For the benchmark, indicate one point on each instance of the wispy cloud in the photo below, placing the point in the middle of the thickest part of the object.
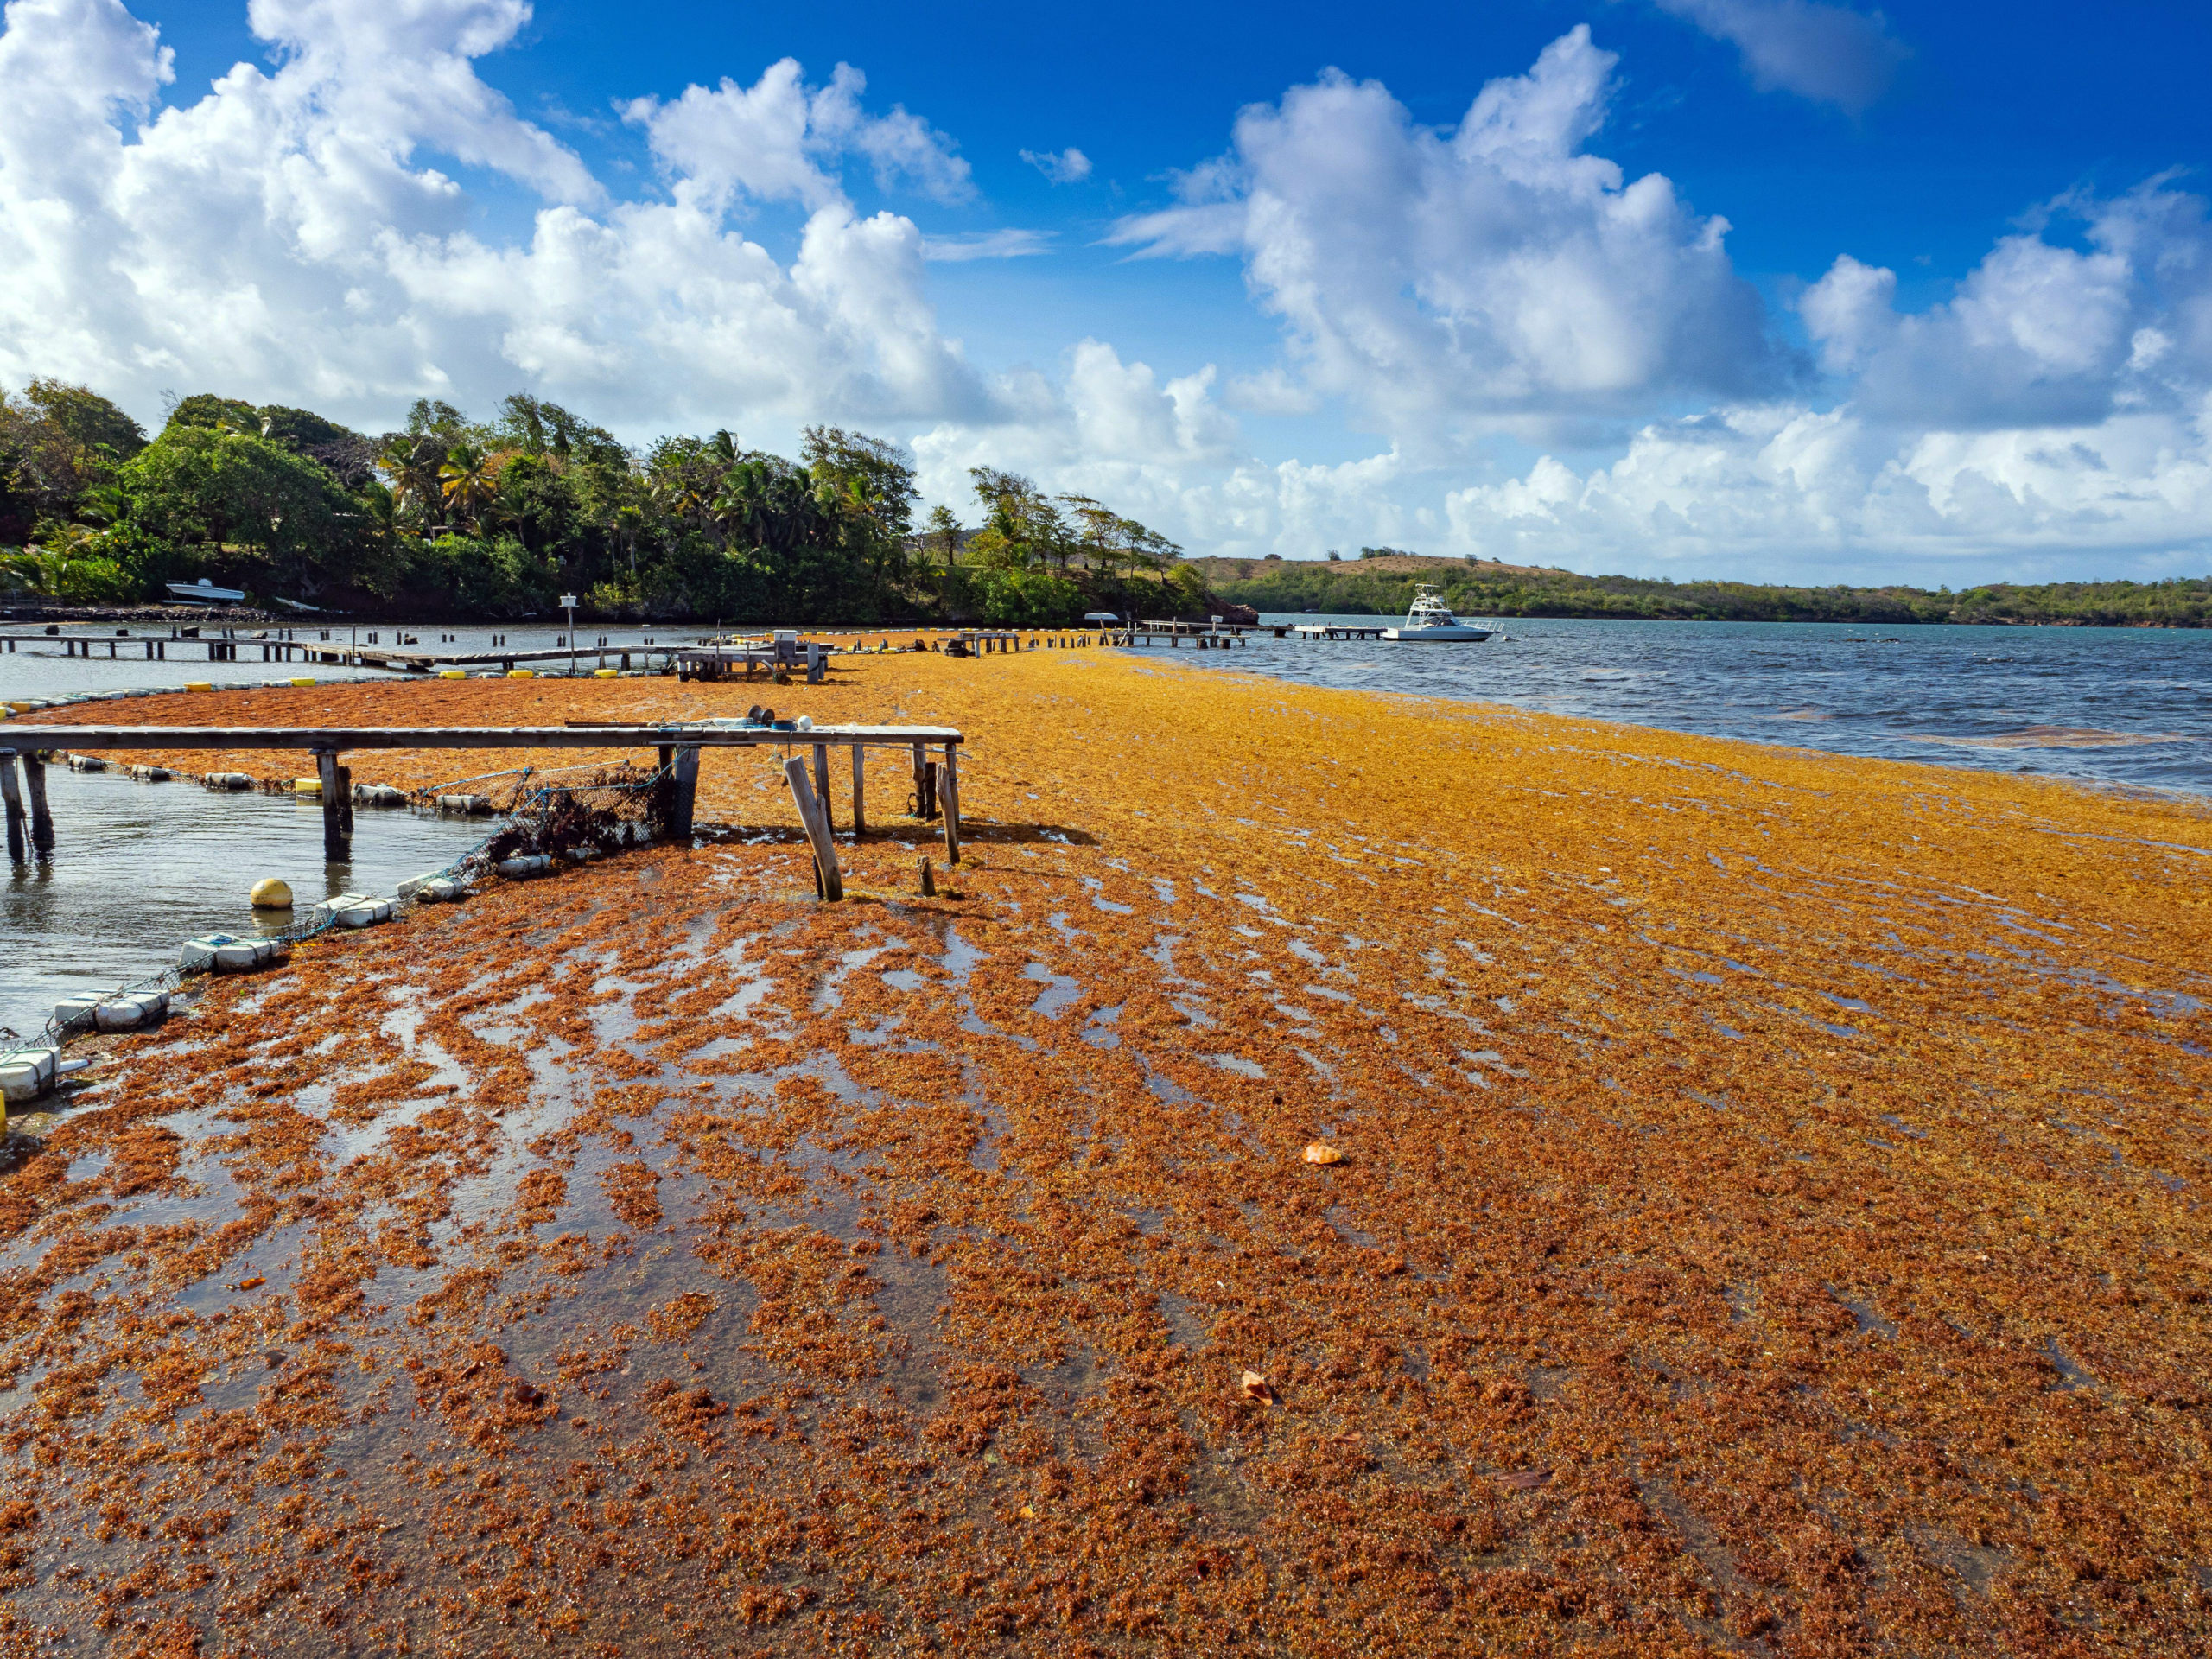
(1829, 53)
(1068, 166)
(985, 244)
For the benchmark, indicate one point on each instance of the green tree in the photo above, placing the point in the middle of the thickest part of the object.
(223, 490)
(59, 443)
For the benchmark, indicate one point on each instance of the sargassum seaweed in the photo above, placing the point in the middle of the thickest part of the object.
(1768, 1217)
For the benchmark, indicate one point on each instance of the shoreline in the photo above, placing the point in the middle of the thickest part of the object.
(1769, 1208)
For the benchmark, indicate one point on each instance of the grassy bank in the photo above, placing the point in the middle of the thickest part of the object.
(1384, 587)
(1768, 1218)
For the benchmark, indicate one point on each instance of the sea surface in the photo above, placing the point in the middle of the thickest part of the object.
(2112, 706)
(138, 868)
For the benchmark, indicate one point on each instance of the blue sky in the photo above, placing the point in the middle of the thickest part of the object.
(1957, 325)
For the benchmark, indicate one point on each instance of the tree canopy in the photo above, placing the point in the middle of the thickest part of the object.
(456, 516)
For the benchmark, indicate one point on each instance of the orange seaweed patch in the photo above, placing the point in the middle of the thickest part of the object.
(1773, 1222)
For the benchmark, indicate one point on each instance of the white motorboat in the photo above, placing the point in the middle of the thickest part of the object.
(204, 592)
(1431, 622)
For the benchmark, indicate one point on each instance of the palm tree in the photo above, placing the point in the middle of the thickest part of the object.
(467, 481)
(412, 465)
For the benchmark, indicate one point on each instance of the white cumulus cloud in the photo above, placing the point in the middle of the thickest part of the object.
(295, 234)
(1497, 270)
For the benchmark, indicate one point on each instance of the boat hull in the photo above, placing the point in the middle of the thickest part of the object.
(1437, 636)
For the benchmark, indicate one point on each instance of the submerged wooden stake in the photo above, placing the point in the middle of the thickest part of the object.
(929, 880)
(14, 800)
(41, 820)
(336, 845)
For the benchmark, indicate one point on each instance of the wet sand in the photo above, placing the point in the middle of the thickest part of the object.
(1770, 1218)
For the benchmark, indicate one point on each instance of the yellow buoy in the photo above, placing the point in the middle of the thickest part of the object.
(522, 674)
(605, 673)
(269, 893)
(452, 673)
(199, 685)
(307, 785)
(303, 679)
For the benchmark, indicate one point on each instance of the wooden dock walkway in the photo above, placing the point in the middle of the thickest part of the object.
(937, 783)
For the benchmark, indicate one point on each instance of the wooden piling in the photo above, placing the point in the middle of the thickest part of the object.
(686, 793)
(921, 782)
(816, 824)
(41, 820)
(336, 845)
(860, 788)
(947, 782)
(13, 798)
(821, 781)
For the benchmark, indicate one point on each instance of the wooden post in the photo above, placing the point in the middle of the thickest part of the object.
(860, 787)
(41, 820)
(335, 840)
(948, 781)
(14, 800)
(816, 823)
(921, 782)
(686, 793)
(821, 781)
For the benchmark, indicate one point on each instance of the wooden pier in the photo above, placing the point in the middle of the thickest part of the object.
(283, 647)
(1338, 630)
(936, 781)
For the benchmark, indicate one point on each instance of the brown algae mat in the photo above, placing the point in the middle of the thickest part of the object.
(1769, 1217)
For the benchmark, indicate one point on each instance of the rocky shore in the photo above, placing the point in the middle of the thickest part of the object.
(1768, 1216)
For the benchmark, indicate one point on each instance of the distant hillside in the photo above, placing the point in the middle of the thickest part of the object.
(1384, 587)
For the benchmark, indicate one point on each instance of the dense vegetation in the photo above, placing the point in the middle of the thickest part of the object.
(1488, 589)
(457, 518)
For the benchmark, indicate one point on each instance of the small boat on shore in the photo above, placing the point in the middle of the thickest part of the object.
(1431, 622)
(204, 592)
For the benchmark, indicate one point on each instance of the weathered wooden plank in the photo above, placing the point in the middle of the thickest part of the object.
(816, 823)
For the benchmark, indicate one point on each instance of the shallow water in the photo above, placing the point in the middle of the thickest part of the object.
(138, 868)
(2107, 705)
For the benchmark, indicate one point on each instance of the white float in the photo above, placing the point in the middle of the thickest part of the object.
(358, 909)
(223, 953)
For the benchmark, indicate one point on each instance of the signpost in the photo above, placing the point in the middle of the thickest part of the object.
(568, 604)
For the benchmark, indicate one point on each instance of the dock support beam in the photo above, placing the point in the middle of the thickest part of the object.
(822, 782)
(860, 787)
(13, 798)
(686, 770)
(815, 817)
(41, 820)
(948, 784)
(337, 806)
(924, 779)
